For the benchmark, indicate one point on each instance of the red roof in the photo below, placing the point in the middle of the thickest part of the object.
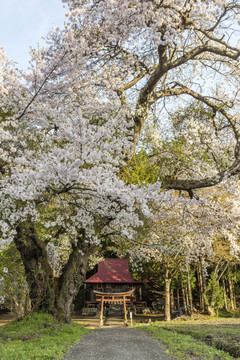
(112, 271)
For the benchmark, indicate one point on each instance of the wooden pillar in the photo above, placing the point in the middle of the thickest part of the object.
(101, 312)
(125, 309)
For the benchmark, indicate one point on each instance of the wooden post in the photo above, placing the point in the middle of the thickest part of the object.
(101, 313)
(131, 318)
(125, 309)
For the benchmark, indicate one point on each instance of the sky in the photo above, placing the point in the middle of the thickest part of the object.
(24, 22)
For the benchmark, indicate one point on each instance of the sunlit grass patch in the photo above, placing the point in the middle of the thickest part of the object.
(38, 336)
(183, 346)
(222, 337)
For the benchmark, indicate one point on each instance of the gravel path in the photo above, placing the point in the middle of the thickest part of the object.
(116, 344)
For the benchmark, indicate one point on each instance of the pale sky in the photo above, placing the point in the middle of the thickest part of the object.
(24, 22)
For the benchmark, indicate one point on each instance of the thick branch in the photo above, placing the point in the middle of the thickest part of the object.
(164, 66)
(161, 70)
(186, 184)
(216, 108)
(234, 169)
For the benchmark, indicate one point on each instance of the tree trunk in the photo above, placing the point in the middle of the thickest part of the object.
(225, 294)
(187, 297)
(189, 291)
(172, 301)
(201, 289)
(39, 273)
(167, 292)
(47, 293)
(72, 277)
(235, 302)
(210, 295)
(18, 307)
(231, 291)
(211, 311)
(183, 294)
(178, 299)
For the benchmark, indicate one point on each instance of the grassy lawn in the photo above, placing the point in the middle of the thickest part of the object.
(38, 336)
(210, 339)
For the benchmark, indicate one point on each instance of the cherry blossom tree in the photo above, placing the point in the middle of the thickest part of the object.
(183, 232)
(151, 53)
(72, 122)
(62, 180)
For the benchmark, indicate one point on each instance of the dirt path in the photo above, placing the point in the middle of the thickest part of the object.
(117, 344)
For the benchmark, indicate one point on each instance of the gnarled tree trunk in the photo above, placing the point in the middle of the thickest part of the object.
(72, 277)
(39, 273)
(48, 293)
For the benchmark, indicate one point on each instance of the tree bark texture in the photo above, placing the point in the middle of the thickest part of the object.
(201, 289)
(225, 294)
(178, 299)
(231, 291)
(189, 291)
(183, 294)
(167, 294)
(172, 301)
(72, 277)
(48, 293)
(39, 273)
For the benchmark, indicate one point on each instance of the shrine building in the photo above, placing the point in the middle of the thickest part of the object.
(113, 276)
(113, 284)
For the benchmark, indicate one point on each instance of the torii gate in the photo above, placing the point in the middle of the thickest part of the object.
(121, 297)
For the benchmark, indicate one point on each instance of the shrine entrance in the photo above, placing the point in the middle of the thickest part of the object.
(122, 297)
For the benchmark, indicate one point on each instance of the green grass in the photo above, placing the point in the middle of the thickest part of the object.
(38, 336)
(223, 337)
(229, 314)
(189, 342)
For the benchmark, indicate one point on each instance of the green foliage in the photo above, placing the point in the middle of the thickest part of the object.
(13, 286)
(176, 280)
(235, 276)
(48, 303)
(38, 336)
(214, 294)
(141, 170)
(195, 110)
(223, 313)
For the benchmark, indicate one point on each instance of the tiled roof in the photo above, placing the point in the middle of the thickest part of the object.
(112, 271)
